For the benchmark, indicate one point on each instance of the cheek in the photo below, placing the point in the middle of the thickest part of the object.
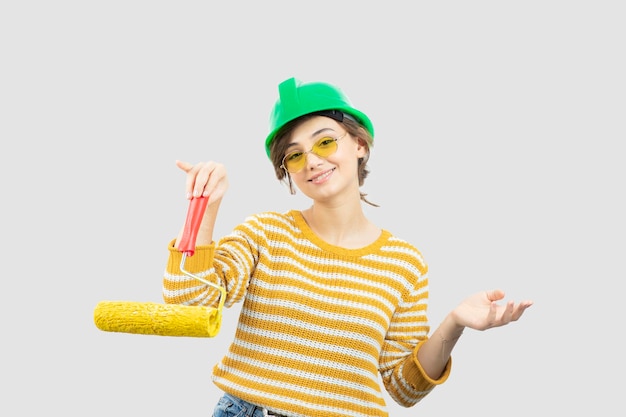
(349, 155)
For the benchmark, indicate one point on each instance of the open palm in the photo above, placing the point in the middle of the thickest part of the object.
(481, 311)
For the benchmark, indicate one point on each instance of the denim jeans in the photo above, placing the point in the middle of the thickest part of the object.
(231, 406)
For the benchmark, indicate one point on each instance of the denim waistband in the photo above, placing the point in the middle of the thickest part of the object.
(250, 410)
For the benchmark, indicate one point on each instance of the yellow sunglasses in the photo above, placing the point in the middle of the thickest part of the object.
(294, 161)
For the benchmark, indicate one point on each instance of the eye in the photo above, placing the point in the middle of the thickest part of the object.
(325, 142)
(293, 156)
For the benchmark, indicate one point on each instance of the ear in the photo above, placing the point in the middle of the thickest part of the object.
(362, 148)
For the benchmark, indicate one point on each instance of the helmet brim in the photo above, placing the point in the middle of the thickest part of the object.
(358, 115)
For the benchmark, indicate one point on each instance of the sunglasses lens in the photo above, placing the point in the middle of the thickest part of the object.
(323, 148)
(295, 161)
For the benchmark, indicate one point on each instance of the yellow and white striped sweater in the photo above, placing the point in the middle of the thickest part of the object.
(319, 323)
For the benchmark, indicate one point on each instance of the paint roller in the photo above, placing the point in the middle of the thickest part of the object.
(150, 318)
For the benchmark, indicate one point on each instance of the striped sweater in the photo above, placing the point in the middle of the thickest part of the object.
(319, 323)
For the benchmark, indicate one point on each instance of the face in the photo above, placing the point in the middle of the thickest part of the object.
(323, 159)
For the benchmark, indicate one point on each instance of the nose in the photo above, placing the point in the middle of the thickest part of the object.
(315, 161)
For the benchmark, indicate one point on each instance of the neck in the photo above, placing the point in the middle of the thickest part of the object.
(344, 226)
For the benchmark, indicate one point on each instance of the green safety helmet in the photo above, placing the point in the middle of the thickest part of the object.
(297, 99)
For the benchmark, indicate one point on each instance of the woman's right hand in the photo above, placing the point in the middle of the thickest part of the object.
(207, 179)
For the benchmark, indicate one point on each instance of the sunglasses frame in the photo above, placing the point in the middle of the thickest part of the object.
(305, 153)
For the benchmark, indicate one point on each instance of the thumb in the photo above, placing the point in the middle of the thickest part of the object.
(495, 295)
(185, 166)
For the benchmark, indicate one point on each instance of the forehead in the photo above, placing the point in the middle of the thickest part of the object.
(313, 128)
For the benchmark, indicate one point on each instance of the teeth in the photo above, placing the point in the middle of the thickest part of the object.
(321, 177)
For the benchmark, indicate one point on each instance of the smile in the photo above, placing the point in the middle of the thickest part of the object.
(322, 176)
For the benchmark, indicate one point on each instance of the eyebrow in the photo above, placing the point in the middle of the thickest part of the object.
(314, 134)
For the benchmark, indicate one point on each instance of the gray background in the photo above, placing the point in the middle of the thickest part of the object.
(499, 154)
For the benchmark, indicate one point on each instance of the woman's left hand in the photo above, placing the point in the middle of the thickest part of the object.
(481, 311)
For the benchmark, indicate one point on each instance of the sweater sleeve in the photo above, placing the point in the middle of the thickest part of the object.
(180, 288)
(403, 377)
(228, 263)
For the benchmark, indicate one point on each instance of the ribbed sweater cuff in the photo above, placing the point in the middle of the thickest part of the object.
(200, 261)
(417, 377)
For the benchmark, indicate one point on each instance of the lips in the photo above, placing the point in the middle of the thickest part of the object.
(322, 176)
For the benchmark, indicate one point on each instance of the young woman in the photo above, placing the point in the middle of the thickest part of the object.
(330, 300)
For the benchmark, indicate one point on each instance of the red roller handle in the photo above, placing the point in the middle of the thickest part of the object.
(187, 243)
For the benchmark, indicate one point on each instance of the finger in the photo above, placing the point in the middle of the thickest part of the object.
(185, 166)
(495, 295)
(520, 309)
(216, 182)
(507, 315)
(492, 315)
(210, 179)
(199, 177)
